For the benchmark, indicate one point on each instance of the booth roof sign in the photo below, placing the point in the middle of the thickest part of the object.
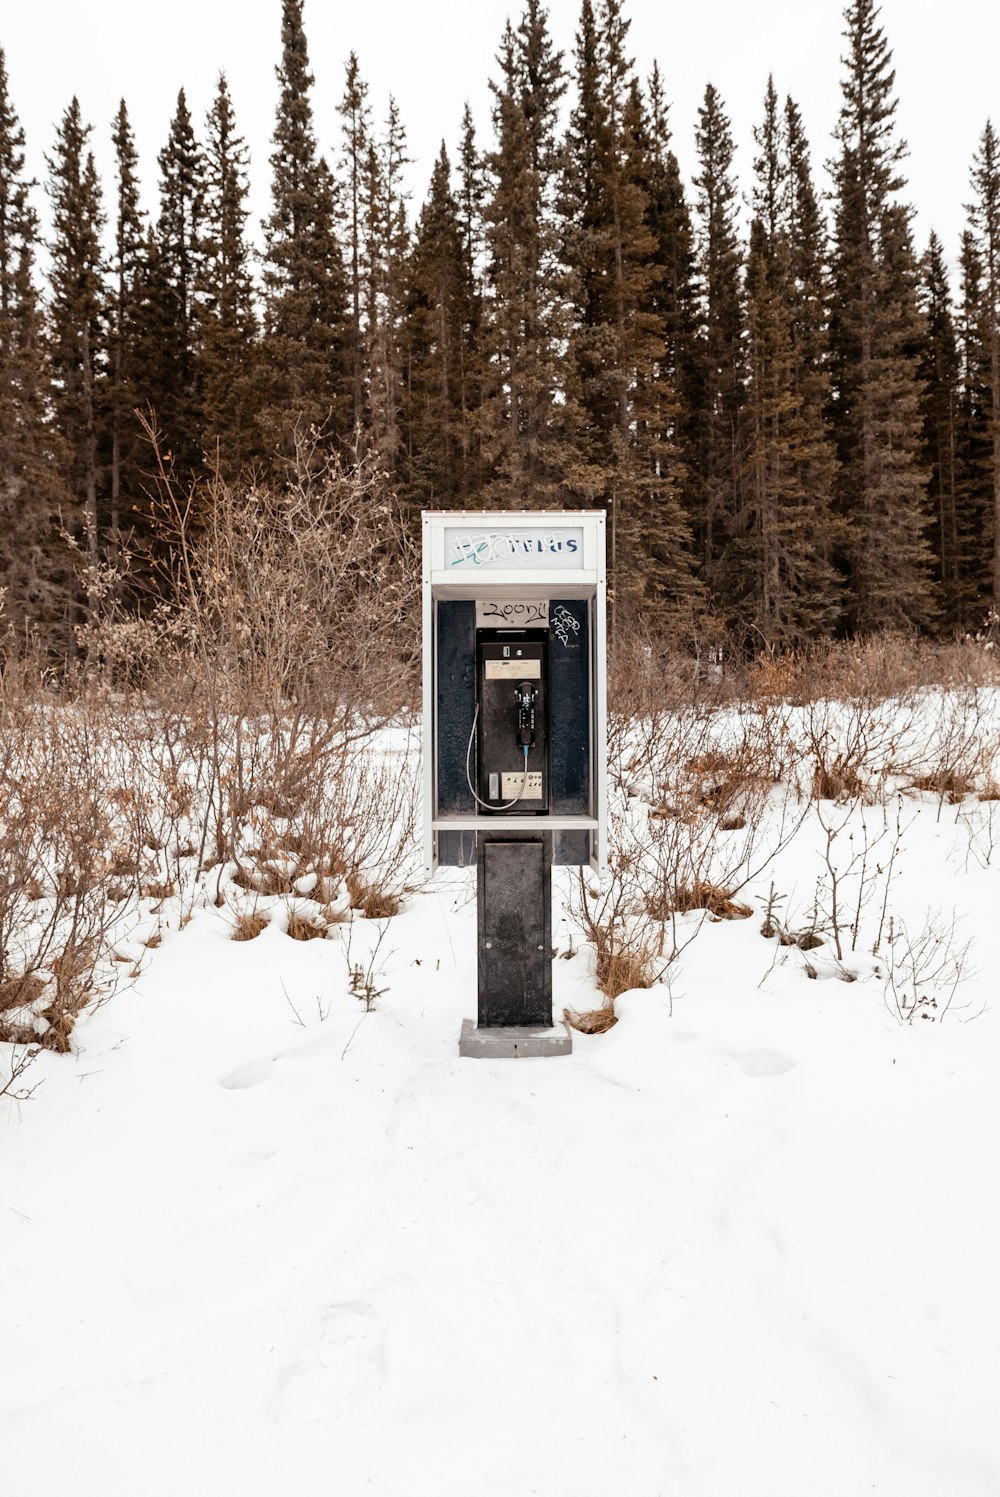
(508, 548)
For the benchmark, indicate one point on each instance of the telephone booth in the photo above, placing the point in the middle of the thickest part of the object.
(514, 729)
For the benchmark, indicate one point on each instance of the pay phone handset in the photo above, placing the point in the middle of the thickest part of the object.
(511, 707)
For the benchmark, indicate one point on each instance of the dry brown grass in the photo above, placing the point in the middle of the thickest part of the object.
(618, 968)
(837, 781)
(593, 1021)
(373, 902)
(950, 785)
(158, 889)
(17, 992)
(305, 926)
(699, 895)
(248, 924)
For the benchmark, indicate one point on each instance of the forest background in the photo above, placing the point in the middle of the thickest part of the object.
(795, 430)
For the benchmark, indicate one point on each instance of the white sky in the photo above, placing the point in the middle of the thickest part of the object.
(433, 56)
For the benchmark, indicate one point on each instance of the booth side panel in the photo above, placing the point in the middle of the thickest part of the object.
(570, 743)
(456, 705)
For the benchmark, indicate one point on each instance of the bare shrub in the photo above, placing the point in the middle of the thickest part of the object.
(957, 744)
(850, 748)
(873, 668)
(15, 1061)
(924, 970)
(614, 918)
(55, 831)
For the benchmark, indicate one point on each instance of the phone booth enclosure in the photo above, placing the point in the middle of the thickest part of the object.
(566, 725)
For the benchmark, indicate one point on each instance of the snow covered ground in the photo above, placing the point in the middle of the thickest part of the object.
(257, 1238)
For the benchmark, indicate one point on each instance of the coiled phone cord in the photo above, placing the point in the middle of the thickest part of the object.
(505, 805)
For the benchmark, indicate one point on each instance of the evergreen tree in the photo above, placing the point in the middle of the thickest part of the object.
(305, 323)
(779, 576)
(127, 275)
(985, 213)
(939, 371)
(622, 385)
(875, 338)
(356, 131)
(178, 402)
(439, 310)
(225, 292)
(672, 290)
(471, 198)
(974, 447)
(29, 493)
(714, 457)
(525, 303)
(77, 322)
(386, 238)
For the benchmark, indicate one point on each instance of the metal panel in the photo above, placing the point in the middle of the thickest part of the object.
(514, 898)
(599, 677)
(455, 692)
(427, 723)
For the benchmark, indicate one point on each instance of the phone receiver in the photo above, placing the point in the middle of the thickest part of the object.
(526, 694)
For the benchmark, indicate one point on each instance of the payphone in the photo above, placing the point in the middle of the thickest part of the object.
(510, 734)
(514, 739)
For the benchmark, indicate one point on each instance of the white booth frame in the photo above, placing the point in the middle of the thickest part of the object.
(587, 580)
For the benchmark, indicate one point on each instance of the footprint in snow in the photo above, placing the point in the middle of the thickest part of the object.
(340, 1363)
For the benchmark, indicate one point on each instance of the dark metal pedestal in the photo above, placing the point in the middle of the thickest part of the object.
(514, 909)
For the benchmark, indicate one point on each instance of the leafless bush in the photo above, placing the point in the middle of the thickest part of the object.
(924, 970)
(956, 747)
(55, 834)
(850, 748)
(873, 668)
(15, 1061)
(860, 851)
(612, 912)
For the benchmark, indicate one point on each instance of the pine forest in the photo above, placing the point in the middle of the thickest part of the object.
(789, 410)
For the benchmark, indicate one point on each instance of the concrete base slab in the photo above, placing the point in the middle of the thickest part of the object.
(514, 1042)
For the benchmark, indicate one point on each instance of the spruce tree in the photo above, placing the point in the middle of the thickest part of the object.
(526, 324)
(471, 198)
(778, 574)
(623, 388)
(439, 309)
(356, 129)
(985, 214)
(714, 456)
(672, 290)
(386, 238)
(228, 323)
(974, 446)
(939, 371)
(77, 311)
(875, 338)
(30, 572)
(124, 372)
(305, 322)
(179, 230)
